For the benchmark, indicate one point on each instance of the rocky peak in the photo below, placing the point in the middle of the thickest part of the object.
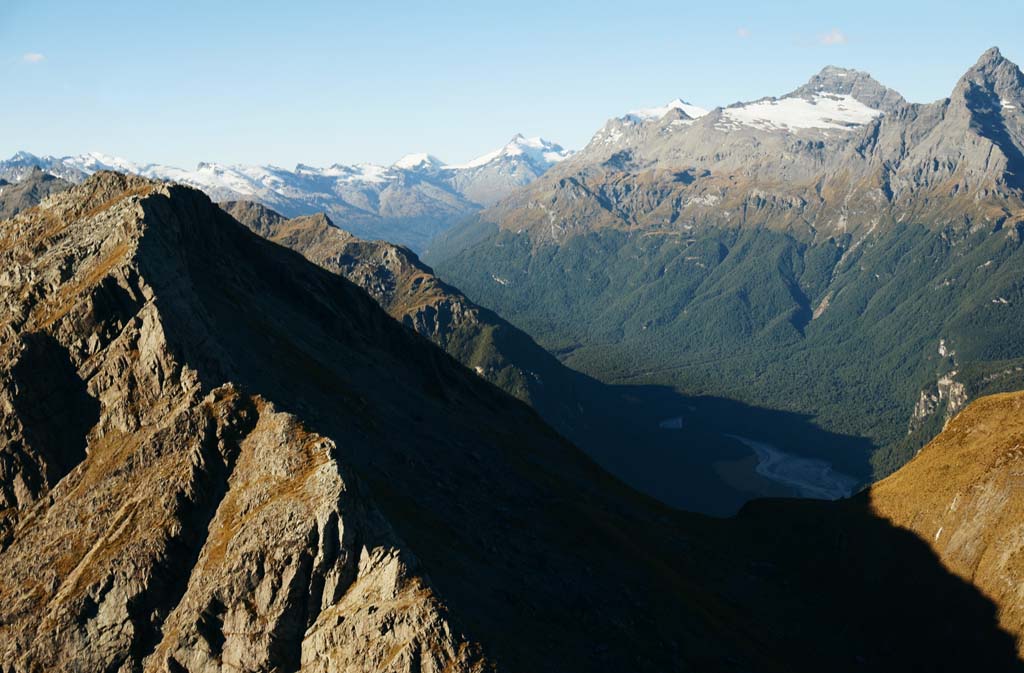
(24, 158)
(855, 83)
(37, 173)
(996, 76)
(987, 102)
(318, 219)
(990, 58)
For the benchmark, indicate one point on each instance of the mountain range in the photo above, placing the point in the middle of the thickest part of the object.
(600, 418)
(218, 454)
(835, 254)
(407, 202)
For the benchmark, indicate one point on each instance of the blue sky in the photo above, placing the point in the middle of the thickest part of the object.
(323, 82)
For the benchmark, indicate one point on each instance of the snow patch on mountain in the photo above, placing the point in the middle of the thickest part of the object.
(820, 111)
(536, 150)
(419, 160)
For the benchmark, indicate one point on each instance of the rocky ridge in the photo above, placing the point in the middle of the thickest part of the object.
(186, 409)
(797, 169)
(218, 455)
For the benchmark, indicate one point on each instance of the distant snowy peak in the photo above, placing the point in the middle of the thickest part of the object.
(655, 113)
(793, 113)
(369, 173)
(541, 153)
(419, 161)
(407, 201)
(93, 162)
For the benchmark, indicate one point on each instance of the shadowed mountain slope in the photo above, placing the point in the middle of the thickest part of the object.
(410, 292)
(256, 468)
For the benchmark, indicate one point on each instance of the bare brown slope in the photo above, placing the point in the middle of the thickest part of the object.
(964, 494)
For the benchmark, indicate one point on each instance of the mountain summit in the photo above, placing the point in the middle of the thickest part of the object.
(997, 83)
(419, 161)
(846, 82)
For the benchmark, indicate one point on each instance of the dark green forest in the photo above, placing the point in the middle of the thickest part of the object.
(844, 333)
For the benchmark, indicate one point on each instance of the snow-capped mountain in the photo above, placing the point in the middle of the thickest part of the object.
(407, 202)
(834, 102)
(492, 176)
(653, 113)
(624, 131)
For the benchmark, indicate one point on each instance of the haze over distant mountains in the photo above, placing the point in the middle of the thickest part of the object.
(407, 202)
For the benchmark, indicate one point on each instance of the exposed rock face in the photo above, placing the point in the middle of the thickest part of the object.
(138, 507)
(175, 517)
(33, 187)
(948, 397)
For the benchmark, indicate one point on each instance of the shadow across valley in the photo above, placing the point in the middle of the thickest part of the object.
(687, 451)
(835, 586)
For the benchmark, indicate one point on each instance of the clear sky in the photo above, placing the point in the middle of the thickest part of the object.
(322, 82)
